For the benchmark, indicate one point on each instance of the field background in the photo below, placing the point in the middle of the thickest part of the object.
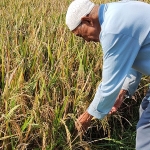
(48, 77)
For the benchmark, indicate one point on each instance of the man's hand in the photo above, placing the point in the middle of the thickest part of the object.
(118, 102)
(83, 122)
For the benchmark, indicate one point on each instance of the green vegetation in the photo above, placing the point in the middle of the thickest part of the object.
(48, 77)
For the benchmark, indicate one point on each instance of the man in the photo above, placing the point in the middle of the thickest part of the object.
(123, 29)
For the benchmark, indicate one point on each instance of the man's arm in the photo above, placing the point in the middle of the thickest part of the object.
(129, 87)
(119, 101)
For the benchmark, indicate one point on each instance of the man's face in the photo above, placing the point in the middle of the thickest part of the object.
(87, 32)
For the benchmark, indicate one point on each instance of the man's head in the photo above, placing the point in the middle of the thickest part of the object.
(82, 19)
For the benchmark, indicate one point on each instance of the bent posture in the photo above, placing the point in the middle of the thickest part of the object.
(123, 29)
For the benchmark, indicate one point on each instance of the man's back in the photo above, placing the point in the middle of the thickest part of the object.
(128, 24)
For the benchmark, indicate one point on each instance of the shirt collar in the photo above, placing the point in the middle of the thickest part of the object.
(102, 10)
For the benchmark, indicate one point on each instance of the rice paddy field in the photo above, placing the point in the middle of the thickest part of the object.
(48, 77)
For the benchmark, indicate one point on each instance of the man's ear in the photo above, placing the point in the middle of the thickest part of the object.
(87, 20)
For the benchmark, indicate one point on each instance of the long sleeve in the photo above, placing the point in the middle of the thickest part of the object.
(118, 57)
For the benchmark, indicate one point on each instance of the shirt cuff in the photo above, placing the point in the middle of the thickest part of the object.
(95, 113)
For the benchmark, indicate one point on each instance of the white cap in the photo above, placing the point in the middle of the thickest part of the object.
(77, 10)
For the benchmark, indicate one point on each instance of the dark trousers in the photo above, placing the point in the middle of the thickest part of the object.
(143, 126)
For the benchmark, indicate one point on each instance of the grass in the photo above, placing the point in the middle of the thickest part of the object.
(48, 77)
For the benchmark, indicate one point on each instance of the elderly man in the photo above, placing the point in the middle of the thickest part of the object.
(123, 29)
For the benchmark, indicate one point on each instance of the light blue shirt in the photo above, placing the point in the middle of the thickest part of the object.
(125, 40)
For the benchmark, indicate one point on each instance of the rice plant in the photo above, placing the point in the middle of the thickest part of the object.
(48, 78)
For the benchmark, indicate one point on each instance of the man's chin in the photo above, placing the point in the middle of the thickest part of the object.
(93, 40)
(96, 40)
